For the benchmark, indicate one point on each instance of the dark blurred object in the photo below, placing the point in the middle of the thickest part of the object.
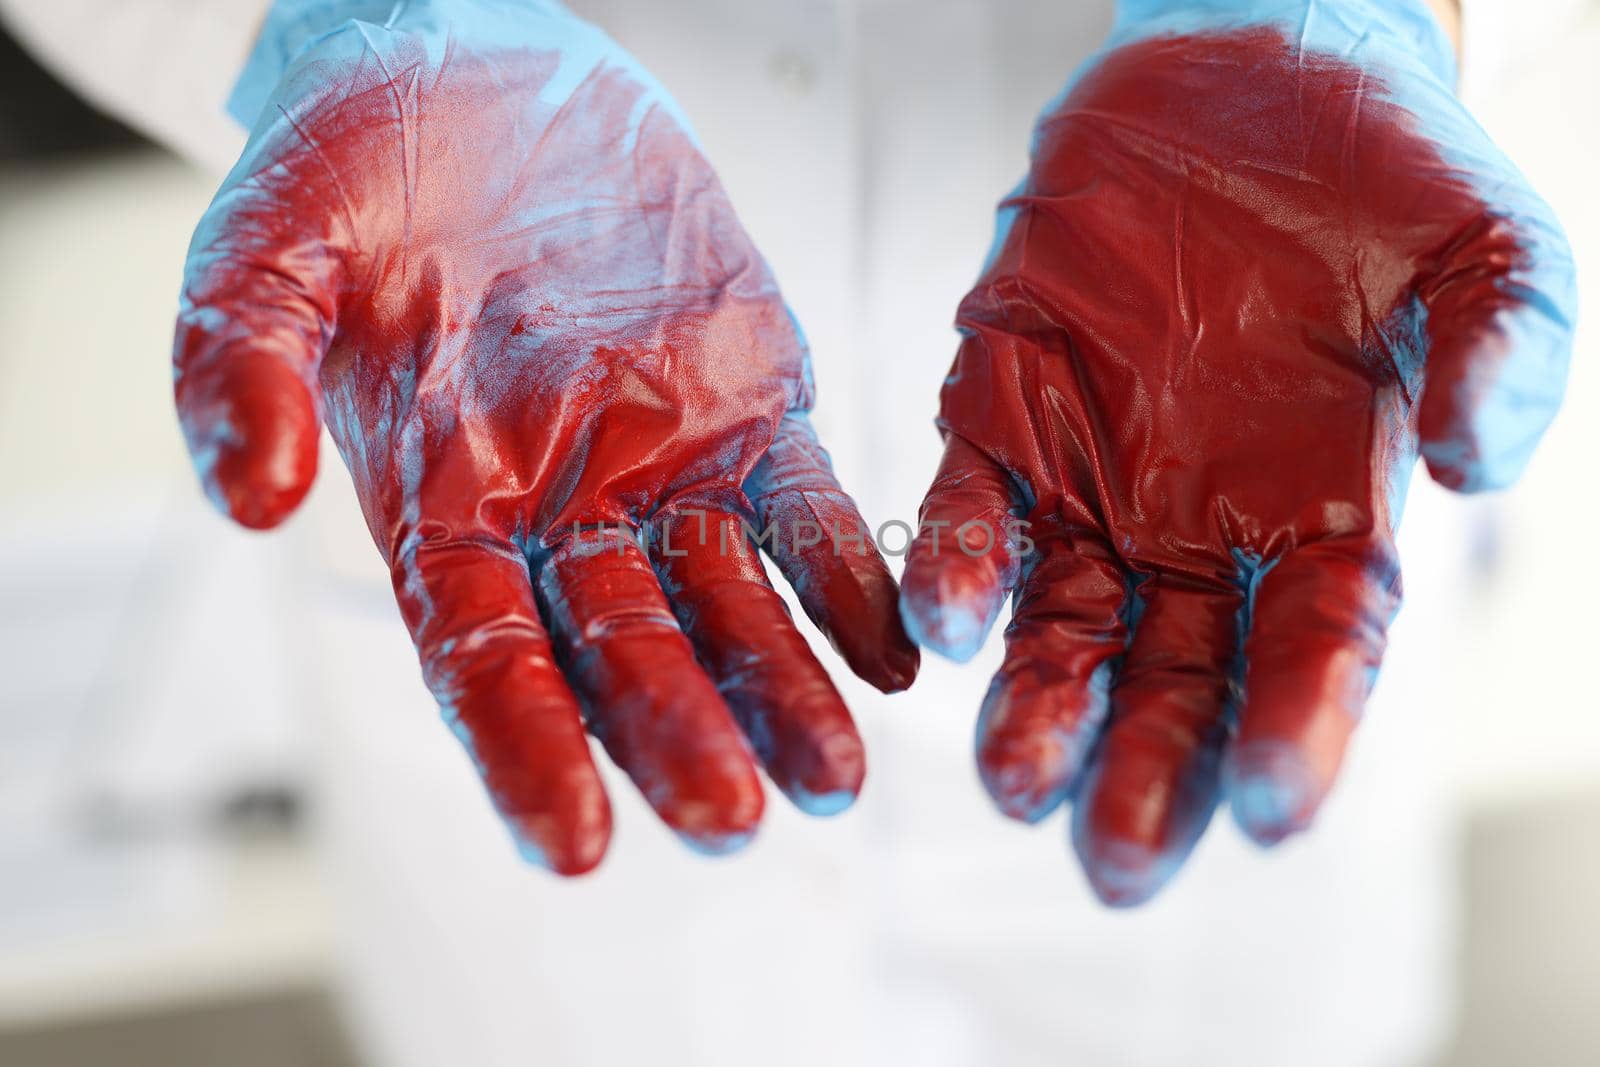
(263, 809)
(294, 1028)
(40, 117)
(1530, 968)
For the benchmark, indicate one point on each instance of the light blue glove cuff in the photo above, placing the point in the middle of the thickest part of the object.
(292, 26)
(1409, 27)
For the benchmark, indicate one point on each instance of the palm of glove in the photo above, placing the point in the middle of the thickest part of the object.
(517, 285)
(1237, 295)
(520, 298)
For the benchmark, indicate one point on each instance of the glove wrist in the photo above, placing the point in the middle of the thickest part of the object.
(1411, 26)
(292, 26)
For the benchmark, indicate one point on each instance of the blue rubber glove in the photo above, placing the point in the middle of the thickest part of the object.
(1263, 261)
(482, 244)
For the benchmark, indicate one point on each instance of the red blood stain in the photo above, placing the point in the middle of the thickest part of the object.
(1202, 342)
(538, 314)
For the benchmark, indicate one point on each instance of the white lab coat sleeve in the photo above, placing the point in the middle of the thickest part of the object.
(165, 67)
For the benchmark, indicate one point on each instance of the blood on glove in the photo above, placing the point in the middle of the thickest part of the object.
(481, 245)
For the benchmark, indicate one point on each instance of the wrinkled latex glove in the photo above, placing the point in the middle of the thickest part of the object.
(481, 244)
(1262, 260)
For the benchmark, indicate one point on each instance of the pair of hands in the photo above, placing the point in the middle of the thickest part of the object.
(1262, 259)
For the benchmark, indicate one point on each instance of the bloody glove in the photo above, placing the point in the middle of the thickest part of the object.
(1263, 260)
(477, 241)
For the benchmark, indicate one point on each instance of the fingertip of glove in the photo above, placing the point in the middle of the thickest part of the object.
(723, 818)
(953, 630)
(1121, 873)
(1027, 781)
(823, 805)
(716, 843)
(862, 620)
(573, 860)
(1469, 478)
(262, 495)
(834, 778)
(566, 846)
(893, 666)
(1270, 792)
(253, 432)
(948, 605)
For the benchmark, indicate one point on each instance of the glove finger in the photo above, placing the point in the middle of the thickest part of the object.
(963, 562)
(743, 634)
(1317, 636)
(254, 322)
(487, 659)
(1051, 697)
(1154, 781)
(1501, 313)
(648, 701)
(825, 550)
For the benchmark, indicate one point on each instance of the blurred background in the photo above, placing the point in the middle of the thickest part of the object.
(202, 860)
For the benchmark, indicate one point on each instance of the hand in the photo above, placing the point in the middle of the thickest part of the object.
(1262, 260)
(481, 244)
